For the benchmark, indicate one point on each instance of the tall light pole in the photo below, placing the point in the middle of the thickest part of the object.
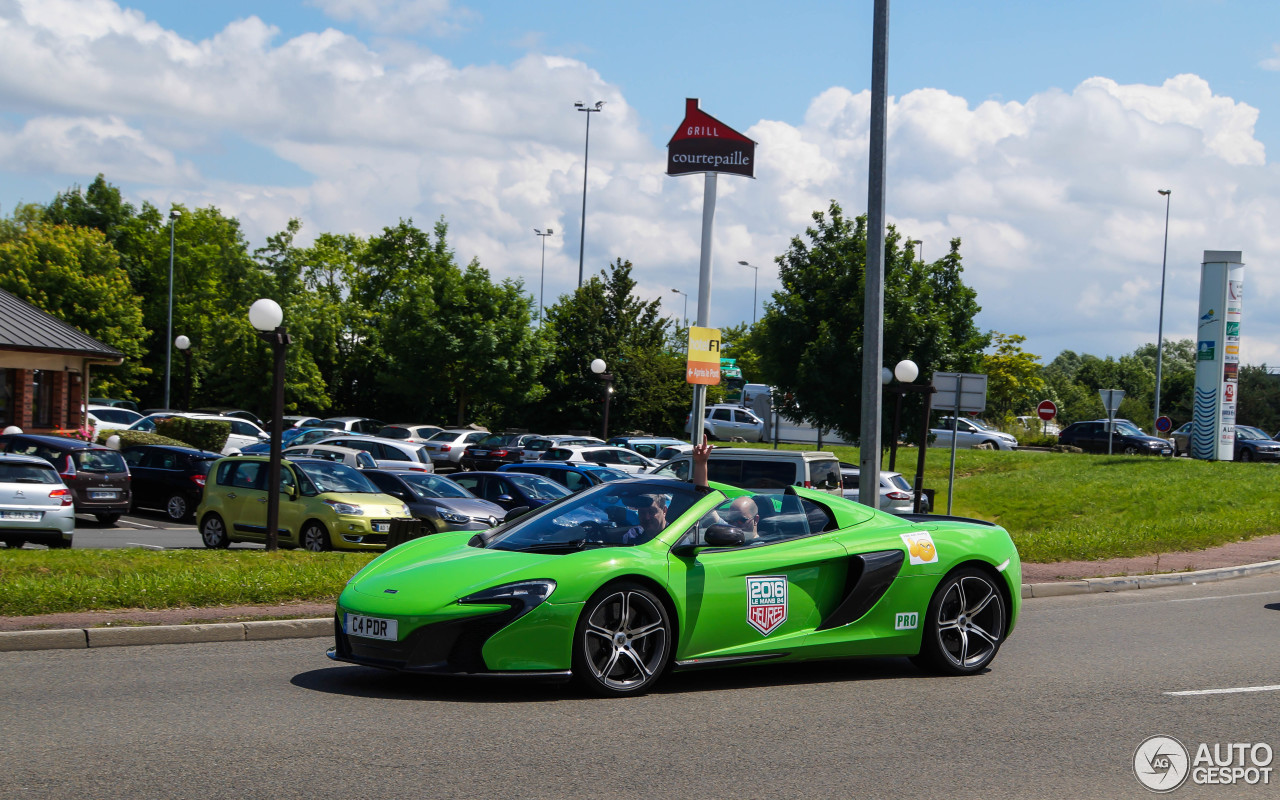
(598, 367)
(267, 317)
(183, 343)
(755, 285)
(586, 152)
(1160, 325)
(686, 306)
(542, 280)
(168, 347)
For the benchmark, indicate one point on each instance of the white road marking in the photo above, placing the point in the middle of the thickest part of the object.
(147, 546)
(1226, 691)
(139, 524)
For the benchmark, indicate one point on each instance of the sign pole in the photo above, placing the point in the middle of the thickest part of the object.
(704, 298)
(955, 434)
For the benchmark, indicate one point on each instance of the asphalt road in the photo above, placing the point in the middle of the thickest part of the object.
(138, 529)
(1082, 682)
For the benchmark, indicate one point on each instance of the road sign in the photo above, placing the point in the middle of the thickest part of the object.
(1047, 410)
(1164, 424)
(1111, 400)
(703, 366)
(960, 391)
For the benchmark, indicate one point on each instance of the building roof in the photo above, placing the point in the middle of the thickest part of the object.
(26, 328)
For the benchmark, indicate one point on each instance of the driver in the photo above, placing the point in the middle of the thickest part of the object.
(653, 518)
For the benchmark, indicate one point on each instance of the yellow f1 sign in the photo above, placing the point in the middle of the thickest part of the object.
(704, 356)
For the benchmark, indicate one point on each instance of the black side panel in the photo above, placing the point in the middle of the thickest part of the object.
(870, 576)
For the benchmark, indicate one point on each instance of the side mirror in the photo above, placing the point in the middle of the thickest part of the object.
(516, 513)
(725, 536)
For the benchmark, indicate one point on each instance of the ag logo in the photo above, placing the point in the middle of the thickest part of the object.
(766, 602)
(920, 548)
(1160, 763)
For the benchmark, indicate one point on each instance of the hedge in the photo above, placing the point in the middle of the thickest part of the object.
(202, 434)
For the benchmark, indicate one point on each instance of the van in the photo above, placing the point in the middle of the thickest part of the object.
(763, 470)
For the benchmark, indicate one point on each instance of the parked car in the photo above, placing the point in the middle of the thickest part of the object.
(107, 401)
(296, 421)
(294, 437)
(109, 418)
(97, 476)
(1181, 439)
(763, 470)
(495, 450)
(535, 448)
(168, 478)
(438, 500)
(357, 424)
(511, 489)
(647, 446)
(725, 421)
(238, 413)
(323, 505)
(446, 447)
(620, 458)
(970, 433)
(360, 459)
(671, 451)
(1091, 436)
(1037, 425)
(574, 477)
(243, 432)
(35, 505)
(409, 432)
(896, 493)
(1254, 445)
(409, 455)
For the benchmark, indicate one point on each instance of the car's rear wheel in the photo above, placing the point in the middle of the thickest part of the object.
(177, 508)
(107, 519)
(623, 643)
(15, 544)
(316, 538)
(213, 532)
(964, 625)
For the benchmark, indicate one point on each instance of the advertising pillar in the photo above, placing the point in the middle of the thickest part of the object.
(1213, 428)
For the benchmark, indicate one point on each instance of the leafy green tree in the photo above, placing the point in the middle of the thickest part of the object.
(811, 333)
(1015, 383)
(1259, 399)
(74, 274)
(742, 342)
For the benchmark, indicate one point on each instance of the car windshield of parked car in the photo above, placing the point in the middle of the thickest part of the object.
(121, 415)
(27, 473)
(99, 461)
(607, 474)
(328, 476)
(431, 486)
(497, 440)
(610, 515)
(1128, 429)
(538, 488)
(1249, 432)
(444, 436)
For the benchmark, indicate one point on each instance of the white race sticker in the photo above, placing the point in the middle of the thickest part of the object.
(906, 621)
(766, 602)
(920, 548)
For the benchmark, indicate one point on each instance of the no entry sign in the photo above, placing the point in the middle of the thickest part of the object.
(1047, 410)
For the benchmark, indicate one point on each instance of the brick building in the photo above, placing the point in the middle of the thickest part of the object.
(44, 368)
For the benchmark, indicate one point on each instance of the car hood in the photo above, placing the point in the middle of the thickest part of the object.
(472, 507)
(375, 504)
(434, 571)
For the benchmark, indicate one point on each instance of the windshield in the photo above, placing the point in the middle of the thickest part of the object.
(424, 486)
(444, 436)
(538, 487)
(99, 461)
(1129, 429)
(1249, 432)
(333, 477)
(610, 515)
(116, 415)
(497, 440)
(609, 474)
(21, 472)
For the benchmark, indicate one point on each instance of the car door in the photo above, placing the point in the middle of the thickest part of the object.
(763, 597)
(248, 509)
(143, 481)
(630, 462)
(721, 423)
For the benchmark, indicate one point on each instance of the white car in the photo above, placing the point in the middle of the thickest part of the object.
(445, 448)
(243, 432)
(896, 493)
(619, 458)
(971, 433)
(403, 455)
(35, 505)
(110, 418)
(360, 459)
(724, 421)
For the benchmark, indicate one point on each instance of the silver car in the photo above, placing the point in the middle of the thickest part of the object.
(896, 494)
(971, 433)
(35, 505)
(726, 422)
(445, 448)
(385, 450)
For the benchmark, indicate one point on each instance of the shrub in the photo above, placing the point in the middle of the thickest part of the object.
(202, 434)
(130, 438)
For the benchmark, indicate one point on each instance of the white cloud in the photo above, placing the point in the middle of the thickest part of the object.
(392, 16)
(1054, 198)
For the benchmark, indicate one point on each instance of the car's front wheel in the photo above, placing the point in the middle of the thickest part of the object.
(1130, 450)
(316, 538)
(1245, 455)
(623, 643)
(177, 509)
(964, 625)
(213, 532)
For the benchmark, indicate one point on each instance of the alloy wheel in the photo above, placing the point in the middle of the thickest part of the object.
(970, 622)
(625, 640)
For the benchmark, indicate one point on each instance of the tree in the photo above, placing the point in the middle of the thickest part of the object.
(74, 274)
(811, 333)
(1014, 378)
(1259, 403)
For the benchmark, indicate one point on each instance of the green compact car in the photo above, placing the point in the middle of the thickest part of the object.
(323, 505)
(615, 585)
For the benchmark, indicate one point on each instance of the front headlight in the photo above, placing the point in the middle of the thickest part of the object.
(405, 512)
(457, 519)
(523, 596)
(345, 508)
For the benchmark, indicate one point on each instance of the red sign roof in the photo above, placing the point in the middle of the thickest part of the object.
(698, 124)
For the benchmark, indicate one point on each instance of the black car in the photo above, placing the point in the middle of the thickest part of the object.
(440, 501)
(1125, 438)
(495, 450)
(97, 476)
(511, 489)
(168, 478)
(1254, 445)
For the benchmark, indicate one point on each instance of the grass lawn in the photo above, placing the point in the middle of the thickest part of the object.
(1057, 507)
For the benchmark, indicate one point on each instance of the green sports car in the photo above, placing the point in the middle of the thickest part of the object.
(618, 584)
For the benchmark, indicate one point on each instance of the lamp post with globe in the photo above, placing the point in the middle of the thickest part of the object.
(906, 372)
(266, 316)
(598, 367)
(184, 346)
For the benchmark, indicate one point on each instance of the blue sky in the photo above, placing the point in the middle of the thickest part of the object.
(1037, 133)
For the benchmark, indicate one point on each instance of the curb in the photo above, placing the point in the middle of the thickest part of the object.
(263, 630)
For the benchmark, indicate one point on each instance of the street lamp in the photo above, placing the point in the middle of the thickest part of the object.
(1160, 325)
(168, 347)
(543, 279)
(754, 286)
(906, 372)
(586, 151)
(184, 345)
(686, 306)
(266, 316)
(598, 367)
